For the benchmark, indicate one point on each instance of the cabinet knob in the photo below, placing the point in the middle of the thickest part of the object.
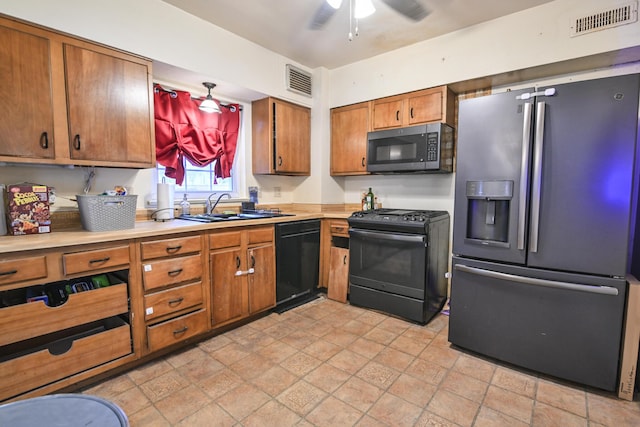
(44, 140)
(76, 142)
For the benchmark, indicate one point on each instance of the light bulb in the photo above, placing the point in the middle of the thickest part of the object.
(363, 8)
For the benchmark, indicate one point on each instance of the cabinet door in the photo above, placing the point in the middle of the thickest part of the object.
(26, 128)
(108, 107)
(338, 274)
(349, 127)
(387, 113)
(425, 108)
(262, 283)
(292, 139)
(228, 301)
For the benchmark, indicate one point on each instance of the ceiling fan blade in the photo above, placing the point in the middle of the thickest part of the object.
(409, 8)
(322, 16)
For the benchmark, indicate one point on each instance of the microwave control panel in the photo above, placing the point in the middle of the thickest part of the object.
(432, 146)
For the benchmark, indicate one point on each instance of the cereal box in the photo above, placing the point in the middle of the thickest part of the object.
(27, 209)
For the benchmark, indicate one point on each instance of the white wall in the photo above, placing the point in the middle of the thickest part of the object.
(163, 33)
(529, 38)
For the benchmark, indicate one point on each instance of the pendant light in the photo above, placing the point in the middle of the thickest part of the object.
(209, 105)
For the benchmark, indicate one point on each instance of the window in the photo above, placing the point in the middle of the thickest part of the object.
(199, 182)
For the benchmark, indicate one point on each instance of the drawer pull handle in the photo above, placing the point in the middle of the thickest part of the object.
(101, 260)
(344, 260)
(175, 301)
(174, 273)
(253, 261)
(8, 273)
(397, 115)
(181, 330)
(412, 112)
(173, 249)
(237, 262)
(363, 165)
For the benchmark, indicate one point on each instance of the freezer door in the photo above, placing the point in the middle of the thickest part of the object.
(588, 147)
(565, 325)
(493, 158)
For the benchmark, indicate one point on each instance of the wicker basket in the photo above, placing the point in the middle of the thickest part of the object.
(107, 213)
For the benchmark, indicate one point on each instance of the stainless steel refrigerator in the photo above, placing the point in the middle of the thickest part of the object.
(544, 223)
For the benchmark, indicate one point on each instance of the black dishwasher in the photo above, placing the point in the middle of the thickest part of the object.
(297, 262)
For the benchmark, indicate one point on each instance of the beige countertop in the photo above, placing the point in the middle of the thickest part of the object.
(73, 237)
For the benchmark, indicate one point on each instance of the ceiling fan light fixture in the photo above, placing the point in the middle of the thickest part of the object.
(335, 3)
(209, 105)
(363, 8)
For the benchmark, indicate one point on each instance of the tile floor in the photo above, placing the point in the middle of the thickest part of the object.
(331, 364)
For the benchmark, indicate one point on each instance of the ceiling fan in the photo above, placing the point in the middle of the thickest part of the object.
(411, 9)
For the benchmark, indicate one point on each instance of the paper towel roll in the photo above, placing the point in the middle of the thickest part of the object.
(165, 202)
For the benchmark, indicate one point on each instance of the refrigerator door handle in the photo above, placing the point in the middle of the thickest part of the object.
(524, 173)
(593, 289)
(537, 177)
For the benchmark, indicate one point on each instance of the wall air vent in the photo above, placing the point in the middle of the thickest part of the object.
(298, 80)
(623, 14)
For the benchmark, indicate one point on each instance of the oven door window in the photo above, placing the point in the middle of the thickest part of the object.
(391, 262)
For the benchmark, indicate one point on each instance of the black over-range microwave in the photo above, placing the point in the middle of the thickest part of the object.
(424, 148)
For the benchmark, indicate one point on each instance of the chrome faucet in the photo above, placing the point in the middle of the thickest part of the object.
(210, 207)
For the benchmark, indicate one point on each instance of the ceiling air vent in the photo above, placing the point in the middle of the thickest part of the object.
(298, 80)
(623, 14)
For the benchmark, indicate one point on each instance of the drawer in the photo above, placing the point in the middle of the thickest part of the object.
(170, 247)
(339, 228)
(158, 274)
(23, 321)
(19, 269)
(89, 261)
(228, 239)
(176, 330)
(161, 303)
(97, 344)
(260, 235)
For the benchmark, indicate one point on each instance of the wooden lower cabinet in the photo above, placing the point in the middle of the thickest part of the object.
(173, 290)
(63, 318)
(242, 271)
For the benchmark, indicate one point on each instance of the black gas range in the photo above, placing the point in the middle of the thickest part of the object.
(401, 220)
(398, 261)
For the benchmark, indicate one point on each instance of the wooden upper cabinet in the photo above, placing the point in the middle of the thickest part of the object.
(349, 127)
(281, 138)
(26, 128)
(67, 101)
(108, 104)
(413, 108)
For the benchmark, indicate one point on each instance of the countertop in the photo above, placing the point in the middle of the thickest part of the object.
(79, 236)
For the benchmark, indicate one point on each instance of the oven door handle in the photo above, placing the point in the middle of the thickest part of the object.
(409, 238)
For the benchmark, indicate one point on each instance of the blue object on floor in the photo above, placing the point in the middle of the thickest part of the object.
(63, 410)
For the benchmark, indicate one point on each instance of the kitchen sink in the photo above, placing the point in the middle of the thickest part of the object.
(217, 217)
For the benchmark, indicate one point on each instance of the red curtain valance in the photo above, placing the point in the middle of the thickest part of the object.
(184, 131)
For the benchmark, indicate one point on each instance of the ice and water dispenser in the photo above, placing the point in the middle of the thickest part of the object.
(489, 203)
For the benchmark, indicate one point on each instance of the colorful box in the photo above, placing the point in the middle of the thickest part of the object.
(27, 209)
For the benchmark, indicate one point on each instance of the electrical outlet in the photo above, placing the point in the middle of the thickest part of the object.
(52, 195)
(277, 192)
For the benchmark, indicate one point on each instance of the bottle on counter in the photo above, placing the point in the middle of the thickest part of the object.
(185, 205)
(370, 200)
